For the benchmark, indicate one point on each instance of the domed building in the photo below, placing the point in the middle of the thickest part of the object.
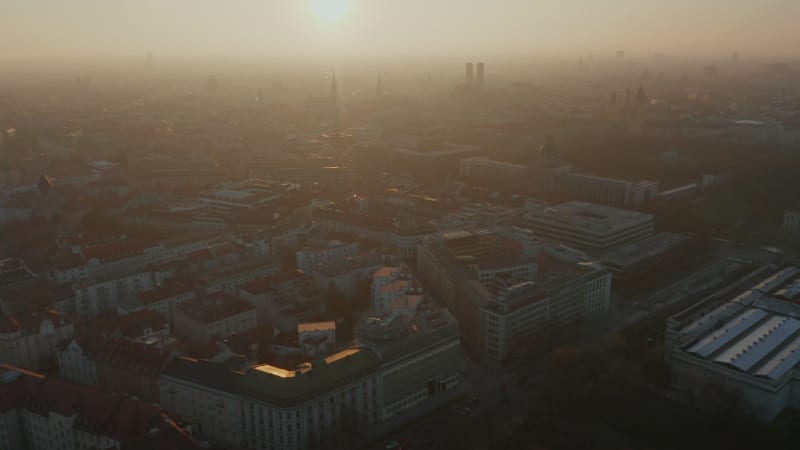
(547, 172)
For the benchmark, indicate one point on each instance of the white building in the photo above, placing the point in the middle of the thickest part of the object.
(205, 395)
(519, 313)
(74, 363)
(95, 298)
(593, 228)
(420, 354)
(310, 257)
(31, 341)
(611, 191)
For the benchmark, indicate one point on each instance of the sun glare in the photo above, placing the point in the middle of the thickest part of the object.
(330, 10)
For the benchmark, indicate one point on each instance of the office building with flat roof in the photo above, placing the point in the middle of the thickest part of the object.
(593, 228)
(420, 351)
(645, 257)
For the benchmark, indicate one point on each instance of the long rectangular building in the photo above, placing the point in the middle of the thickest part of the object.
(747, 347)
(593, 228)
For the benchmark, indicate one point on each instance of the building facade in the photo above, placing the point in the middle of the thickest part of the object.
(32, 340)
(589, 227)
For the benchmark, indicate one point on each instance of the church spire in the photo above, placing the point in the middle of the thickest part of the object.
(44, 184)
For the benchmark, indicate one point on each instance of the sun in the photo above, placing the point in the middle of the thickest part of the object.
(330, 10)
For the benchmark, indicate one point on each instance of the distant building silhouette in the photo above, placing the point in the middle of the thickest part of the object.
(334, 87)
(620, 55)
(640, 99)
(480, 74)
(627, 96)
(150, 59)
(470, 76)
(711, 70)
(337, 117)
(379, 88)
(212, 84)
(735, 56)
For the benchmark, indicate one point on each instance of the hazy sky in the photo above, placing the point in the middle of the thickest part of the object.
(475, 29)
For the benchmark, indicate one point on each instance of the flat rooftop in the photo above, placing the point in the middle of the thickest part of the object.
(431, 325)
(589, 215)
(316, 326)
(645, 249)
(309, 380)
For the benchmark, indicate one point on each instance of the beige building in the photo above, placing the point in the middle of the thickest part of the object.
(593, 228)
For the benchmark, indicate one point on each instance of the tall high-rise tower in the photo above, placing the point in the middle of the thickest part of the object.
(735, 56)
(480, 74)
(337, 116)
(379, 88)
(470, 76)
(334, 87)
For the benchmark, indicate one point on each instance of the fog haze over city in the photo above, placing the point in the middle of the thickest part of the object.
(399, 225)
(293, 30)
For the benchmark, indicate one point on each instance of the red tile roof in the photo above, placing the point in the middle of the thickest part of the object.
(168, 290)
(264, 284)
(215, 307)
(10, 324)
(112, 252)
(122, 353)
(99, 413)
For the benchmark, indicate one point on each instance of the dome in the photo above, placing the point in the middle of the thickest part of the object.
(548, 150)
